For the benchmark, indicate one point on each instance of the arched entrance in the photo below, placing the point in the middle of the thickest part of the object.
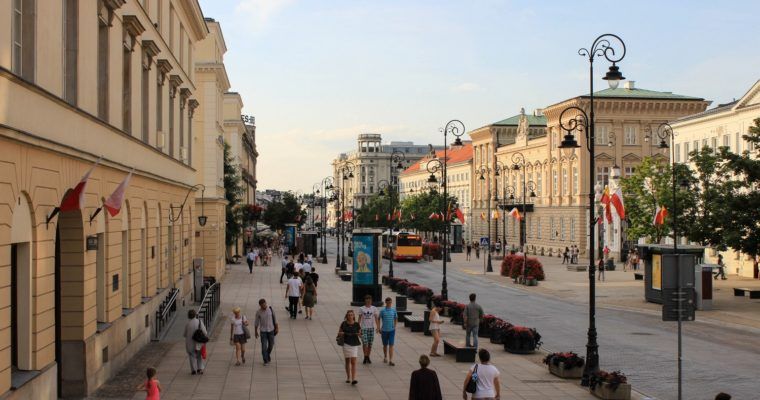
(70, 301)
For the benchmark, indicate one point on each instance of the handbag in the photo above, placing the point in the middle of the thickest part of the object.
(472, 385)
(274, 321)
(340, 339)
(199, 336)
(246, 331)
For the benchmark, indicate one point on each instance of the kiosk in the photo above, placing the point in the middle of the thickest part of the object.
(660, 274)
(367, 262)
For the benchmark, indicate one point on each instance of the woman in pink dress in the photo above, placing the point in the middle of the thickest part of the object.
(151, 386)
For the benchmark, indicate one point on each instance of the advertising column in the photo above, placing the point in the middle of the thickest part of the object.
(367, 263)
(290, 238)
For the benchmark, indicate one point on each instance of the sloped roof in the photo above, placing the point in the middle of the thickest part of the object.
(454, 157)
(533, 120)
(638, 93)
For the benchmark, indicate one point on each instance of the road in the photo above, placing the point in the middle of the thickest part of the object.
(715, 358)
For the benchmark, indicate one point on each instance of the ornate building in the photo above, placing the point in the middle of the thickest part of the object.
(106, 80)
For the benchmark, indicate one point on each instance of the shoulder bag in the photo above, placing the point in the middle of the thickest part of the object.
(198, 335)
(246, 331)
(274, 321)
(472, 385)
(340, 339)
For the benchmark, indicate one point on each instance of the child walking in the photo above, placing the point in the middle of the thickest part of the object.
(151, 385)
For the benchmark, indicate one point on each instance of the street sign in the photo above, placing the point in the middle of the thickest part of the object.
(670, 299)
(484, 242)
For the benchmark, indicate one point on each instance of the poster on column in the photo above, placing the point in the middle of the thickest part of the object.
(290, 236)
(656, 272)
(364, 260)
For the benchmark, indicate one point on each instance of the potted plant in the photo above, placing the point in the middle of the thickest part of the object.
(499, 328)
(420, 294)
(531, 280)
(610, 385)
(435, 300)
(402, 285)
(565, 365)
(521, 340)
(392, 282)
(455, 312)
(484, 330)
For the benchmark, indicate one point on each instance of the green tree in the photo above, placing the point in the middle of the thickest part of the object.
(375, 212)
(233, 191)
(741, 198)
(285, 211)
(422, 206)
(704, 222)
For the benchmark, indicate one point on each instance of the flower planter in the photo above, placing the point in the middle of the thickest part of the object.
(526, 347)
(457, 319)
(421, 299)
(560, 371)
(496, 337)
(604, 391)
(531, 282)
(521, 340)
(484, 332)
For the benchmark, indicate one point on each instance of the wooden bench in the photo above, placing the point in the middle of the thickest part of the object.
(415, 322)
(753, 293)
(402, 315)
(346, 277)
(461, 352)
(638, 276)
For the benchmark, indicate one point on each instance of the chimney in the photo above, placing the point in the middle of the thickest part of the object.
(538, 112)
(630, 85)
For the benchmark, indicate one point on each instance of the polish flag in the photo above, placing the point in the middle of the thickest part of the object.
(659, 216)
(75, 198)
(459, 214)
(483, 216)
(495, 214)
(113, 202)
(617, 202)
(608, 213)
(515, 213)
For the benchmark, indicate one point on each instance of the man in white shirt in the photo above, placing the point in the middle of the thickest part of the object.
(293, 294)
(298, 266)
(369, 320)
(306, 267)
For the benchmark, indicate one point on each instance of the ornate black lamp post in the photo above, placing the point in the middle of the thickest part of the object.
(454, 127)
(327, 188)
(508, 190)
(518, 163)
(498, 169)
(579, 120)
(347, 172)
(387, 188)
(483, 170)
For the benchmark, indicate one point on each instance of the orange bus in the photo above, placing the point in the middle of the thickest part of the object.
(402, 246)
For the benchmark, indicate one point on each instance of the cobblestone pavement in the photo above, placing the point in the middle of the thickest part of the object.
(122, 386)
(718, 356)
(307, 364)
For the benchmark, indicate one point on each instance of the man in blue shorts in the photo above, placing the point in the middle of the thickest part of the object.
(387, 331)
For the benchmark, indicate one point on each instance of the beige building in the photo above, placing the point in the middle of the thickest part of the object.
(723, 125)
(81, 80)
(240, 134)
(372, 164)
(624, 116)
(459, 169)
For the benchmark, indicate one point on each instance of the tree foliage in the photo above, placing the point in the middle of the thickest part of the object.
(376, 211)
(421, 206)
(233, 192)
(285, 211)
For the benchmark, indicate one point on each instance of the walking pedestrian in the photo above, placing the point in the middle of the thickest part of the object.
(434, 322)
(601, 270)
(290, 268)
(566, 256)
(151, 386)
(194, 341)
(721, 269)
(472, 314)
(249, 258)
(349, 330)
(309, 297)
(239, 334)
(283, 268)
(424, 384)
(265, 324)
(477, 251)
(314, 276)
(369, 320)
(293, 294)
(486, 377)
(469, 251)
(389, 319)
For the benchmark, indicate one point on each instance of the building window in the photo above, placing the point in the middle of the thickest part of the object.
(159, 107)
(145, 101)
(572, 228)
(631, 135)
(714, 144)
(629, 171)
(704, 143)
(555, 182)
(104, 17)
(603, 175)
(552, 230)
(602, 135)
(172, 95)
(696, 146)
(738, 143)
(127, 83)
(678, 152)
(686, 151)
(727, 141)
(540, 182)
(562, 228)
(24, 28)
(565, 183)
(71, 50)
(575, 180)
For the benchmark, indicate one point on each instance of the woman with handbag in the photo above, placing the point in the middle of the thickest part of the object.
(195, 336)
(349, 338)
(483, 379)
(239, 334)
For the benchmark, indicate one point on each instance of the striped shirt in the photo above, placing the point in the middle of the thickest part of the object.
(387, 316)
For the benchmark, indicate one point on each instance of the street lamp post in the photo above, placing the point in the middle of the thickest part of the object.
(347, 172)
(601, 47)
(498, 169)
(508, 190)
(518, 163)
(483, 170)
(456, 128)
(327, 186)
(396, 158)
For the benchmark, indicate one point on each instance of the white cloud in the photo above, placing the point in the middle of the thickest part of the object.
(466, 87)
(261, 11)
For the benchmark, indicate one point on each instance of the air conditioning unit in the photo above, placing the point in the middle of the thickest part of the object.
(183, 154)
(160, 139)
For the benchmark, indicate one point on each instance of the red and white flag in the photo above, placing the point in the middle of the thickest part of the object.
(515, 213)
(113, 202)
(459, 214)
(605, 200)
(75, 198)
(617, 201)
(433, 216)
(659, 216)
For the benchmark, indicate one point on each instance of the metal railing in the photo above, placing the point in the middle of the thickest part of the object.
(165, 311)
(210, 304)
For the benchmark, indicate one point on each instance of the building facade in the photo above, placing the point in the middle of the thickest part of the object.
(459, 169)
(721, 126)
(104, 80)
(372, 164)
(558, 216)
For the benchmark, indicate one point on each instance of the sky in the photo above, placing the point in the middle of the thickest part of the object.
(317, 73)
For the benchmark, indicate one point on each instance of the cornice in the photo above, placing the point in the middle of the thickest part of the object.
(133, 25)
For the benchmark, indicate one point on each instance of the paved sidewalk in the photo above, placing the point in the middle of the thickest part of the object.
(307, 364)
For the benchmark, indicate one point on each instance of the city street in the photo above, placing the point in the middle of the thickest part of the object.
(641, 345)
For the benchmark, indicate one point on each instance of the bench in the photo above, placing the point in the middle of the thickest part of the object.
(402, 314)
(415, 322)
(345, 277)
(638, 276)
(753, 293)
(461, 352)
